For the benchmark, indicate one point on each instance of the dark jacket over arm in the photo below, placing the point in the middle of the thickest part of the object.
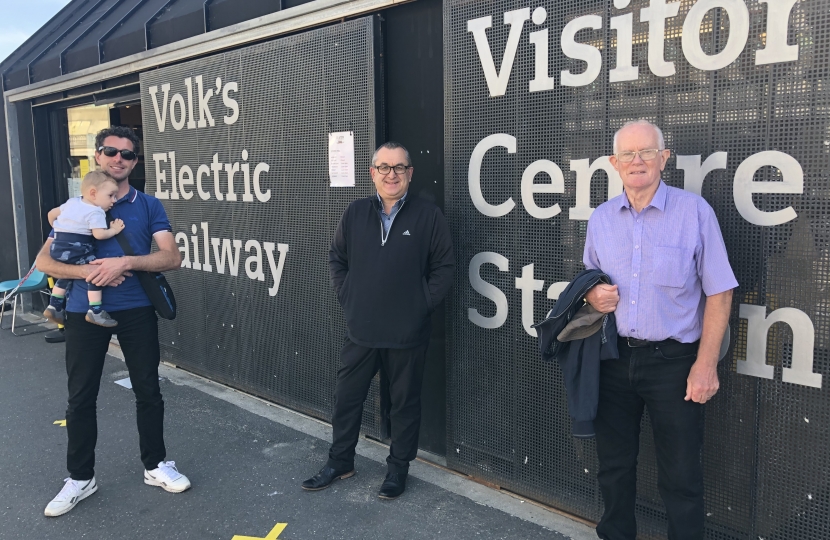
(580, 358)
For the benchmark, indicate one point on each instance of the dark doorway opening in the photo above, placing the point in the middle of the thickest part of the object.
(414, 116)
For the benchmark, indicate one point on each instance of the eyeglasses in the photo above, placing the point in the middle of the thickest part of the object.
(645, 155)
(110, 151)
(384, 169)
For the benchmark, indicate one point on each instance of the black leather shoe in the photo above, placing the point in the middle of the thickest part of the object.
(54, 336)
(325, 477)
(393, 486)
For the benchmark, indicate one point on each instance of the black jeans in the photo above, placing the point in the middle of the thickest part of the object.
(358, 365)
(86, 347)
(655, 377)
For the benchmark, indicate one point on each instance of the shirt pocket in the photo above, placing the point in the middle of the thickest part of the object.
(671, 266)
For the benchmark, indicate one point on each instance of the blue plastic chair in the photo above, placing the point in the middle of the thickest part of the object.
(36, 282)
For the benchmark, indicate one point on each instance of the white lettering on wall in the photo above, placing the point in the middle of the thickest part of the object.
(161, 176)
(256, 258)
(539, 39)
(694, 173)
(181, 113)
(539, 55)
(161, 116)
(775, 50)
(744, 186)
(624, 25)
(474, 174)
(581, 51)
(529, 188)
(655, 15)
(738, 16)
(487, 290)
(497, 82)
(231, 170)
(177, 119)
(584, 172)
(276, 269)
(205, 118)
(227, 252)
(527, 284)
(230, 103)
(758, 325)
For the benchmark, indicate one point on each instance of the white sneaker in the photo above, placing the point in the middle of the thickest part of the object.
(167, 477)
(73, 492)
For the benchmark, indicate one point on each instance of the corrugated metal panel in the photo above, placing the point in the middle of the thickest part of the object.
(16, 69)
(90, 32)
(130, 37)
(222, 13)
(85, 52)
(177, 20)
(49, 62)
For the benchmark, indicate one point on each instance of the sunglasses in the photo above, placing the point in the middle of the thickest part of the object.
(110, 151)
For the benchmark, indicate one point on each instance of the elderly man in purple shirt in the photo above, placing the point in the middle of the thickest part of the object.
(672, 295)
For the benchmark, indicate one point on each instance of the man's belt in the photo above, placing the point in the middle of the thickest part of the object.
(635, 343)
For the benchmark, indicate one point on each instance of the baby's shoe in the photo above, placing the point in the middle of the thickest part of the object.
(57, 316)
(101, 319)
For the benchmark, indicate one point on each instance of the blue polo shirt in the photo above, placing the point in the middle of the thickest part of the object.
(143, 216)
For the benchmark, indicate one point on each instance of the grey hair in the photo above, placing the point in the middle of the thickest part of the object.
(392, 145)
(661, 143)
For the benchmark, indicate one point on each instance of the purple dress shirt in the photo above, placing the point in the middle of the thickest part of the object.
(664, 260)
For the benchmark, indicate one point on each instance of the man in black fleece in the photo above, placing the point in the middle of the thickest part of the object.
(391, 264)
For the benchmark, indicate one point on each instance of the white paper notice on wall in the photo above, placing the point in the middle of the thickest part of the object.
(341, 159)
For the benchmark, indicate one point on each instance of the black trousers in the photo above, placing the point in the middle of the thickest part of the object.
(86, 347)
(654, 377)
(358, 365)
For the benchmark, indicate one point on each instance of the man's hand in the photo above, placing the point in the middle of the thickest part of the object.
(105, 272)
(119, 280)
(703, 382)
(603, 297)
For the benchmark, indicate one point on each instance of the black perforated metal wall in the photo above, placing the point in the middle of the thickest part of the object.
(767, 457)
(233, 325)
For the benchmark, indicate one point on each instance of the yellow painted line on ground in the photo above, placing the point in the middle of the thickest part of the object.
(61, 423)
(273, 535)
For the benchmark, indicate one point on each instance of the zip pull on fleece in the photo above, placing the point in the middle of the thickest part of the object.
(385, 236)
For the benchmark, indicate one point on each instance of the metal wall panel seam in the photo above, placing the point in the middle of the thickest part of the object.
(114, 27)
(60, 37)
(84, 34)
(152, 20)
(43, 39)
(205, 15)
(16, 172)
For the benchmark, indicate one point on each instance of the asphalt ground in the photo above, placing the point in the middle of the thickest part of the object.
(245, 459)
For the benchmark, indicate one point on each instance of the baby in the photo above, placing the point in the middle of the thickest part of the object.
(77, 224)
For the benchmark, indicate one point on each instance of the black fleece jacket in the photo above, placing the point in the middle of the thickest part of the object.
(388, 291)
